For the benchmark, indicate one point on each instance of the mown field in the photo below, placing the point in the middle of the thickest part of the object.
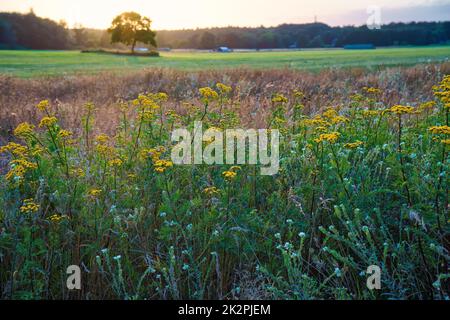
(87, 178)
(39, 63)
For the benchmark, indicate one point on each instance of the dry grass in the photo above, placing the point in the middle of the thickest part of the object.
(253, 89)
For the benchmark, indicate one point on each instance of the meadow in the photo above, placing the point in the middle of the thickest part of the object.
(87, 178)
(56, 63)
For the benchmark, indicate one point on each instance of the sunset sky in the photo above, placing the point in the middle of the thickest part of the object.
(179, 14)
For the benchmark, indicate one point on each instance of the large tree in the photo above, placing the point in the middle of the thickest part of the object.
(130, 28)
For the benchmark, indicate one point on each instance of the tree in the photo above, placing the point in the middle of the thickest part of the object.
(31, 32)
(130, 28)
(231, 39)
(80, 36)
(207, 40)
(7, 37)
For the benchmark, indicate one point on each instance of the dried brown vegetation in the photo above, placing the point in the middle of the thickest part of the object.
(253, 90)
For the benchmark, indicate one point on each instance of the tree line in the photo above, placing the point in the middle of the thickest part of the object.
(28, 31)
(312, 35)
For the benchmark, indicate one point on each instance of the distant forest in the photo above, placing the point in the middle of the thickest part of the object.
(28, 31)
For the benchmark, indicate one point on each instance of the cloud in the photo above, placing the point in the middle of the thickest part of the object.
(431, 12)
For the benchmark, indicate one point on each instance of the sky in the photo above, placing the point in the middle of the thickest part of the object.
(186, 14)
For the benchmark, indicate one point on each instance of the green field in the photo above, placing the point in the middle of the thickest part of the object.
(50, 63)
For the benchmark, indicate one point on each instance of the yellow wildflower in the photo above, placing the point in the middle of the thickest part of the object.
(211, 191)
(427, 105)
(94, 193)
(330, 113)
(16, 173)
(161, 96)
(229, 175)
(162, 165)
(29, 206)
(102, 138)
(372, 90)
(18, 169)
(208, 94)
(146, 115)
(370, 113)
(132, 176)
(172, 115)
(398, 109)
(215, 129)
(160, 149)
(36, 151)
(24, 130)
(144, 153)
(153, 153)
(147, 101)
(224, 89)
(320, 129)
(316, 121)
(56, 218)
(279, 98)
(77, 172)
(24, 163)
(89, 107)
(442, 91)
(115, 163)
(298, 94)
(71, 142)
(64, 134)
(353, 145)
(43, 105)
(15, 149)
(48, 122)
(357, 97)
(209, 140)
(105, 150)
(440, 130)
(279, 121)
(339, 119)
(330, 137)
